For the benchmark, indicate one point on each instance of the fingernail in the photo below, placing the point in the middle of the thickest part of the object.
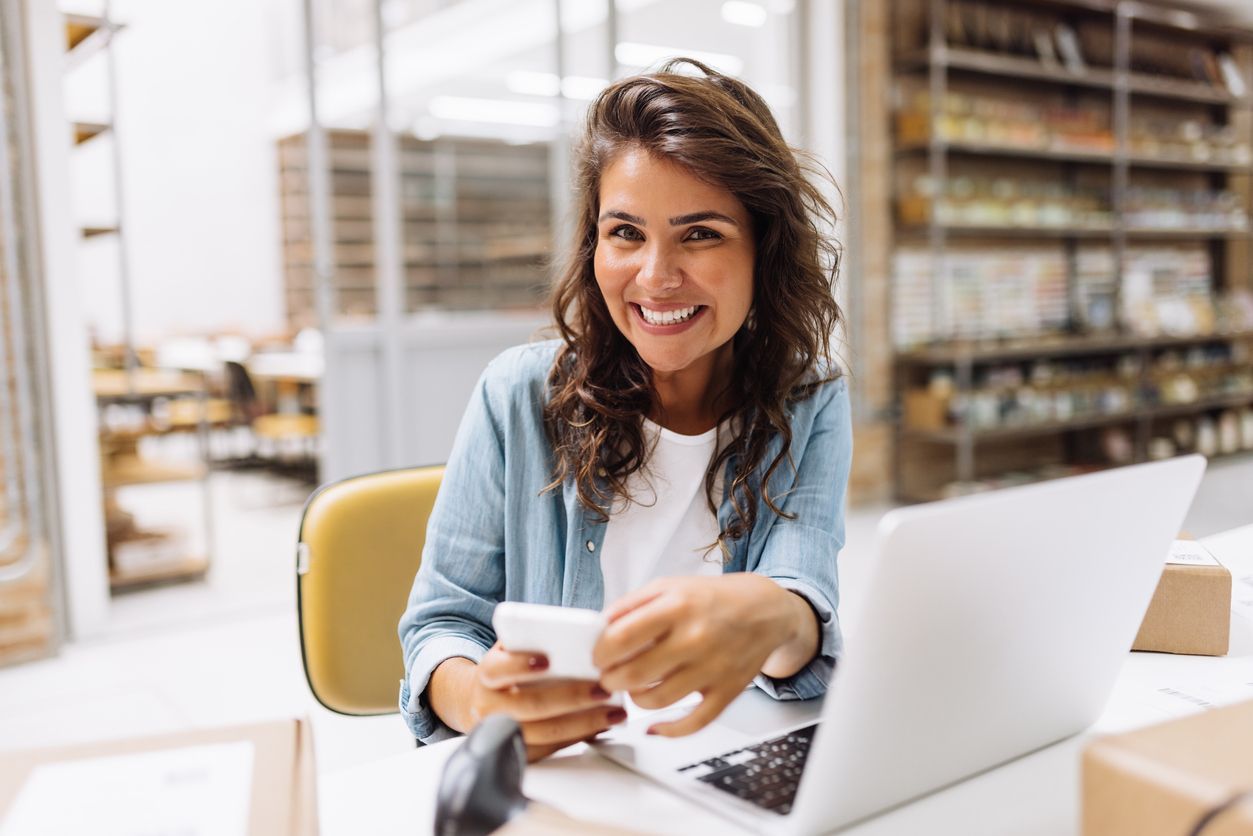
(653, 730)
(599, 693)
(537, 663)
(618, 715)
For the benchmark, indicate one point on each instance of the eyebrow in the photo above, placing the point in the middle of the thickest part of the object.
(681, 220)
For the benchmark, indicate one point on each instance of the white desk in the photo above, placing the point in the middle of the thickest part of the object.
(1036, 794)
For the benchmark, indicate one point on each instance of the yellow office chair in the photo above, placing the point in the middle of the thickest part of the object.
(360, 546)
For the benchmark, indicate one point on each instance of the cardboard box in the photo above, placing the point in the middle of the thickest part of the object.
(1191, 609)
(1166, 779)
(283, 800)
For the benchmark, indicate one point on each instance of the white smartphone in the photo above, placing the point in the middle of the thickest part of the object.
(566, 635)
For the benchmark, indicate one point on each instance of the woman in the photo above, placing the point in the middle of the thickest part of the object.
(679, 456)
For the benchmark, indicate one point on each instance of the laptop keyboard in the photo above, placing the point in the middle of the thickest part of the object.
(767, 774)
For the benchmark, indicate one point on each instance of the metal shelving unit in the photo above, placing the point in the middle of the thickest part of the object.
(122, 467)
(936, 65)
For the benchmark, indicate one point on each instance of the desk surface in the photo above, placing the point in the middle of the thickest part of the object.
(1034, 795)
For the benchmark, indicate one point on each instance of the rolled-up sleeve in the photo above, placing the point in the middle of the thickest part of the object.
(462, 575)
(800, 554)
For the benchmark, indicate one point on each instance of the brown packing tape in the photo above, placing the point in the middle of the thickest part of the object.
(1164, 779)
(283, 785)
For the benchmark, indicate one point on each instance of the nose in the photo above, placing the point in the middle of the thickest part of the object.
(659, 269)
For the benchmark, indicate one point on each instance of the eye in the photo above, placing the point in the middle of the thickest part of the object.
(626, 232)
(702, 233)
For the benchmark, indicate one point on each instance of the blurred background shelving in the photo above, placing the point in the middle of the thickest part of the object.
(1070, 275)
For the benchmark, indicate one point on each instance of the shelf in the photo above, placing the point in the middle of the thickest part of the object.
(986, 149)
(1102, 158)
(972, 231)
(1190, 91)
(118, 474)
(1061, 347)
(990, 63)
(953, 435)
(1185, 234)
(84, 34)
(936, 495)
(1181, 164)
(84, 131)
(1063, 232)
(1202, 405)
(189, 568)
(78, 28)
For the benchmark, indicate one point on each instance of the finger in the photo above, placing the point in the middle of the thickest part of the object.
(545, 700)
(536, 753)
(632, 601)
(647, 668)
(500, 668)
(573, 727)
(674, 687)
(700, 716)
(635, 631)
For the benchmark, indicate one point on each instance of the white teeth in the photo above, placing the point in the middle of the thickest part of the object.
(668, 317)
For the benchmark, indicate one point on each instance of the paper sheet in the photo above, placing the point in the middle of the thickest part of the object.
(192, 791)
(1242, 596)
(1142, 698)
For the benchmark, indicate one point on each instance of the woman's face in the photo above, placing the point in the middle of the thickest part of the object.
(674, 260)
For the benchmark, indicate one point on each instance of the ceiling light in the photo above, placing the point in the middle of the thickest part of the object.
(645, 55)
(502, 111)
(531, 83)
(744, 14)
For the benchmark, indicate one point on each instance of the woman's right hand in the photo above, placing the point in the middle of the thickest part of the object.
(552, 713)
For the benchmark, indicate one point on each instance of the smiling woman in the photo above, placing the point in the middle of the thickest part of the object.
(678, 457)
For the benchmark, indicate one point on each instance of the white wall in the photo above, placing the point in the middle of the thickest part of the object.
(199, 171)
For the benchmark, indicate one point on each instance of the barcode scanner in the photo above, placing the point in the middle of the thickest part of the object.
(481, 788)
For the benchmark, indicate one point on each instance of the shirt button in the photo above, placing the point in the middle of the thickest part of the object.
(591, 547)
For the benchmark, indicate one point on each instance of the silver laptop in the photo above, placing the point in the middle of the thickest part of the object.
(992, 625)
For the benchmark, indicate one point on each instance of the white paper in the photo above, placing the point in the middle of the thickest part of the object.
(1185, 685)
(192, 791)
(1242, 596)
(1191, 553)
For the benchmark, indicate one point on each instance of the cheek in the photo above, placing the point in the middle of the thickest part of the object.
(612, 274)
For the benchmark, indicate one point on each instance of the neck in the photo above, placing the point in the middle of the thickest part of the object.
(691, 400)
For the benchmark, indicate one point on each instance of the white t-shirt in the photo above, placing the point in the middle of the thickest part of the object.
(667, 528)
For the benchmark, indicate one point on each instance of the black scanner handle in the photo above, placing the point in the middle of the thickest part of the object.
(482, 784)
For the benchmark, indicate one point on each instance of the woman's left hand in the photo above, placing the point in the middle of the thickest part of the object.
(712, 635)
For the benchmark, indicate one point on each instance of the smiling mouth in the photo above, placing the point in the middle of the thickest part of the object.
(668, 317)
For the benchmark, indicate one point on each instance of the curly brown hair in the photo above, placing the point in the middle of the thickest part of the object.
(722, 132)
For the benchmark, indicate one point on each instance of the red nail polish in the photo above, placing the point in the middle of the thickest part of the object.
(537, 663)
(618, 715)
(652, 730)
(599, 693)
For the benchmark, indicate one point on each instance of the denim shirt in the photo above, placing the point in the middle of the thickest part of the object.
(496, 535)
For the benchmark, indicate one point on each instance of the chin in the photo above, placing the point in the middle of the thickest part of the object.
(661, 362)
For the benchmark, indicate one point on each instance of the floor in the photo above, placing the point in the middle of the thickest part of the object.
(225, 650)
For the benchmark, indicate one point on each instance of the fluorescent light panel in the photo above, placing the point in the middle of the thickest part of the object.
(498, 111)
(633, 54)
(744, 14)
(531, 83)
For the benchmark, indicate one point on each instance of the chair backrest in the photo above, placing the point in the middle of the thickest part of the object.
(240, 389)
(360, 546)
